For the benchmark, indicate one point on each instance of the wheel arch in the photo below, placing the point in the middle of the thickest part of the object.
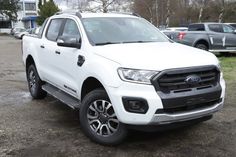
(202, 41)
(29, 61)
(90, 84)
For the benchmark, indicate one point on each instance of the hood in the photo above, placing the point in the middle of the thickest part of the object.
(155, 56)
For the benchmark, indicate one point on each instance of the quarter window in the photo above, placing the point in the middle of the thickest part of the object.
(54, 29)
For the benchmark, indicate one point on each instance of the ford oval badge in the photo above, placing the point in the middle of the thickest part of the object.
(193, 79)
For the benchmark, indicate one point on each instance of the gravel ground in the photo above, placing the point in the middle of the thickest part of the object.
(47, 127)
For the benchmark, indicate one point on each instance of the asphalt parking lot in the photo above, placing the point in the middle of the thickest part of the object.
(49, 128)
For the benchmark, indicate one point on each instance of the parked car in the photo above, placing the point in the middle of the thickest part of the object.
(214, 37)
(121, 72)
(21, 33)
(16, 29)
(172, 32)
(177, 29)
(232, 24)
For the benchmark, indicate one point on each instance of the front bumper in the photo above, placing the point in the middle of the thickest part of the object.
(185, 116)
(154, 101)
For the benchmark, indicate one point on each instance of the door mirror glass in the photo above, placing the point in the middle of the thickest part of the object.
(72, 42)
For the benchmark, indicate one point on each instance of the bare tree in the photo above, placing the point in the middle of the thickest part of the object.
(222, 11)
(101, 5)
(144, 8)
(168, 14)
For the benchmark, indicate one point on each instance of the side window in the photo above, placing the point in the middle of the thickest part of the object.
(228, 29)
(54, 29)
(196, 27)
(71, 29)
(216, 28)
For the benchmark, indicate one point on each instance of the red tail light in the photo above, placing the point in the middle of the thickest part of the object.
(181, 35)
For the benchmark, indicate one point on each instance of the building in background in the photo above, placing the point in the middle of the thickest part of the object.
(5, 24)
(27, 14)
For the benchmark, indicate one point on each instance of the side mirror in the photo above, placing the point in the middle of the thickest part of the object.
(234, 31)
(72, 42)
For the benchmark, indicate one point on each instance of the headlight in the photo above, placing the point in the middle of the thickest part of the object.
(136, 76)
(221, 73)
(219, 66)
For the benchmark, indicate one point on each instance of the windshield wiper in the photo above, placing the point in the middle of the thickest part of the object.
(107, 43)
(140, 41)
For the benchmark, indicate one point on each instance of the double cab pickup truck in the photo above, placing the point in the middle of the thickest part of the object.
(120, 72)
(213, 37)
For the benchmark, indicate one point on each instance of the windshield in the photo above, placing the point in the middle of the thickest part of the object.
(109, 30)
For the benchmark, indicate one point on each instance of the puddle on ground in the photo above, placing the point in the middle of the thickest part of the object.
(13, 76)
(15, 98)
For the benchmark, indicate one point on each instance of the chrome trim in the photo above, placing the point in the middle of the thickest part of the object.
(184, 116)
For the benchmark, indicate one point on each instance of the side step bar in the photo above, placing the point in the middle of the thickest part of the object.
(62, 96)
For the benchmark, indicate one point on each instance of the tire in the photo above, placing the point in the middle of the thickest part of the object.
(35, 83)
(202, 46)
(99, 124)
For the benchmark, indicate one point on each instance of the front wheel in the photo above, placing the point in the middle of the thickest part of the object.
(98, 119)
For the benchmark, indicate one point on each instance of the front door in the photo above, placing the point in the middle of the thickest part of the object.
(230, 37)
(68, 70)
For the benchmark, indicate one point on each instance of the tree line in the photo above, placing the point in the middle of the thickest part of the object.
(158, 12)
(184, 12)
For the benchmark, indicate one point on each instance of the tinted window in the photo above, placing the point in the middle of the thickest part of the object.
(228, 29)
(196, 27)
(216, 28)
(233, 25)
(71, 29)
(54, 29)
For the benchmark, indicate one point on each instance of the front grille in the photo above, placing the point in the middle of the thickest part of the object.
(175, 80)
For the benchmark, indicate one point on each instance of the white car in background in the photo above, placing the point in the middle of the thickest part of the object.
(21, 33)
(16, 29)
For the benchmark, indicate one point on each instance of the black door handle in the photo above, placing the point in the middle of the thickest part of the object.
(58, 52)
(81, 60)
(42, 46)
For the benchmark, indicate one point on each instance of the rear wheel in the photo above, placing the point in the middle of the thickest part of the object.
(202, 46)
(35, 83)
(98, 119)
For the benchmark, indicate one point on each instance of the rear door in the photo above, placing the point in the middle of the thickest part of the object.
(216, 36)
(49, 51)
(230, 37)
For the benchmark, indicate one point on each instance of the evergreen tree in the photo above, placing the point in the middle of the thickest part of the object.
(46, 10)
(40, 4)
(9, 8)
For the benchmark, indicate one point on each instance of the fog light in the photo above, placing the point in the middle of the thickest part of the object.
(135, 105)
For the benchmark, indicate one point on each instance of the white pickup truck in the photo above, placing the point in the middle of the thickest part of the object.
(120, 71)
